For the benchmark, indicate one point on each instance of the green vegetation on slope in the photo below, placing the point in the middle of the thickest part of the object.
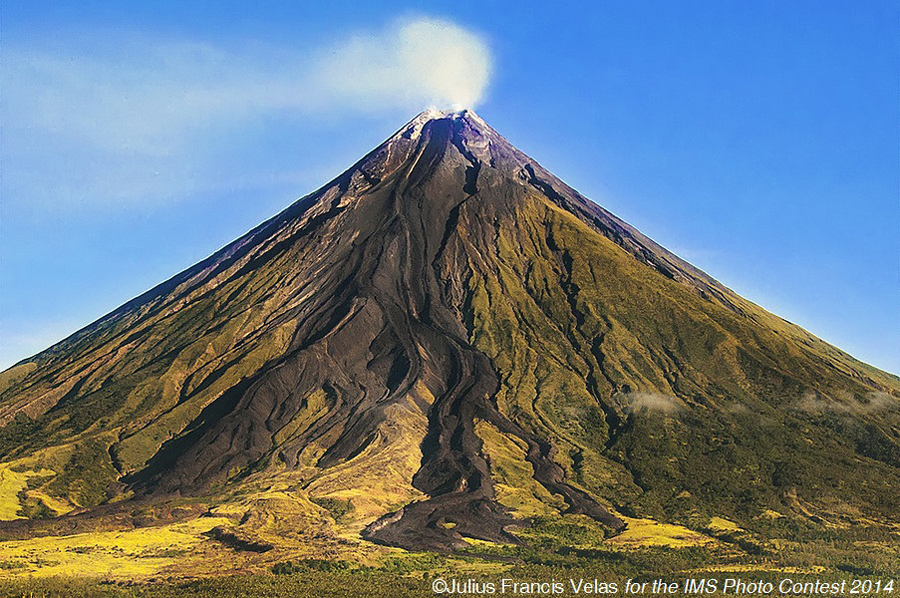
(418, 331)
(664, 403)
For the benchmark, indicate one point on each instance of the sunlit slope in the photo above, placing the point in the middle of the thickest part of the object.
(440, 342)
(666, 403)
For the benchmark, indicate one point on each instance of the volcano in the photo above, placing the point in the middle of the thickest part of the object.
(444, 341)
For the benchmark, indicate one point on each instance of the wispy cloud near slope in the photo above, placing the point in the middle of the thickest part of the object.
(138, 118)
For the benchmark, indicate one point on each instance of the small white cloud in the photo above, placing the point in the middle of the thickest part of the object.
(142, 118)
(654, 402)
(845, 403)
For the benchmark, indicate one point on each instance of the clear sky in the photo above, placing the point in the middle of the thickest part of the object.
(758, 140)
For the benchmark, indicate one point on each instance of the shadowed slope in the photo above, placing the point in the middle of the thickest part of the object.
(445, 280)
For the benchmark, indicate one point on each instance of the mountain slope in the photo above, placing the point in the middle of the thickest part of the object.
(447, 337)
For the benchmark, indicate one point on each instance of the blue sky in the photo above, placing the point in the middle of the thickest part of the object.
(758, 140)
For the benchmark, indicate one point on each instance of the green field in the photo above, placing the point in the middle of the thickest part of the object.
(179, 559)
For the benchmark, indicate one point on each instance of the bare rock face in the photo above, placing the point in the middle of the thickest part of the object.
(356, 342)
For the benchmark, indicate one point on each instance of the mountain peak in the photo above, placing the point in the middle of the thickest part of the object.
(444, 338)
(437, 113)
(413, 128)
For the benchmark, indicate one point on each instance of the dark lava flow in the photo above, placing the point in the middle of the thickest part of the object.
(388, 271)
(392, 310)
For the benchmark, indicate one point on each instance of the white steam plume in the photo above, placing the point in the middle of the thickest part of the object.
(131, 118)
(422, 61)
